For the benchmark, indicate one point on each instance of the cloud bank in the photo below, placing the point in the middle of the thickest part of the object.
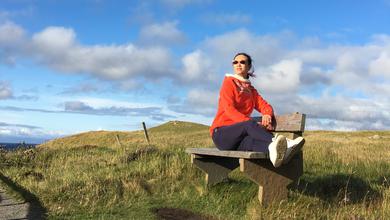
(58, 48)
(337, 86)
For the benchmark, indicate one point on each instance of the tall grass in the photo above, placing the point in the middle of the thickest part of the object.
(115, 175)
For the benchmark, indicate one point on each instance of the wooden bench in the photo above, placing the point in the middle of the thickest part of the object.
(272, 181)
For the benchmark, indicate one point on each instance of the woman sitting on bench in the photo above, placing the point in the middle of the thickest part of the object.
(233, 129)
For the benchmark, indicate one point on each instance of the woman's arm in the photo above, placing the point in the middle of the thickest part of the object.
(264, 108)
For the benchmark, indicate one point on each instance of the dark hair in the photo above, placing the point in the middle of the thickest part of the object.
(250, 73)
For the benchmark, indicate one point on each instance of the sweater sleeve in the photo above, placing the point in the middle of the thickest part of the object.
(227, 102)
(261, 105)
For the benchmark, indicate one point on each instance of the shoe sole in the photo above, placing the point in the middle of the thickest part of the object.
(294, 151)
(281, 147)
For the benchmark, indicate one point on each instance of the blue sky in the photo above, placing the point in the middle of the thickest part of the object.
(73, 66)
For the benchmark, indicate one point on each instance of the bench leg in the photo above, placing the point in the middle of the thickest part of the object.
(216, 168)
(272, 181)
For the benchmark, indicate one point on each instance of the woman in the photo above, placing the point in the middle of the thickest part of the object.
(233, 129)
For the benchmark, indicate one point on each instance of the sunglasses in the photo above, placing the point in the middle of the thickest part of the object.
(241, 62)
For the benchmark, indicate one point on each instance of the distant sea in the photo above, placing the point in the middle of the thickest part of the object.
(14, 146)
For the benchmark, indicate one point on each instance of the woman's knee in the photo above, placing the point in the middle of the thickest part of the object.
(221, 143)
(224, 146)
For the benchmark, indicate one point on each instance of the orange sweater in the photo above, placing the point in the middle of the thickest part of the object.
(237, 99)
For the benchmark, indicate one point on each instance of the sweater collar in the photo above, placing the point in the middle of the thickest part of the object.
(238, 77)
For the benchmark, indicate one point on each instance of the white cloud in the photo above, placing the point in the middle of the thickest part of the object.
(380, 39)
(230, 42)
(11, 132)
(346, 109)
(317, 56)
(12, 42)
(213, 58)
(5, 90)
(318, 124)
(79, 107)
(356, 59)
(54, 39)
(335, 110)
(10, 34)
(265, 49)
(192, 65)
(202, 98)
(198, 101)
(58, 48)
(109, 62)
(83, 88)
(164, 33)
(104, 103)
(280, 78)
(381, 65)
(197, 67)
(314, 76)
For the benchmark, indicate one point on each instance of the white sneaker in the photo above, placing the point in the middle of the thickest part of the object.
(293, 146)
(277, 149)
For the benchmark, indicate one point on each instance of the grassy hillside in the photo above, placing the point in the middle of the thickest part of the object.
(116, 175)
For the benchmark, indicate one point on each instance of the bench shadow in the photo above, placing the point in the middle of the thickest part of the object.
(36, 210)
(170, 213)
(233, 182)
(339, 188)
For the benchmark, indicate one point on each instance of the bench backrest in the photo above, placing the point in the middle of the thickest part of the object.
(290, 123)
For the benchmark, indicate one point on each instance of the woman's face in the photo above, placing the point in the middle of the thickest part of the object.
(241, 66)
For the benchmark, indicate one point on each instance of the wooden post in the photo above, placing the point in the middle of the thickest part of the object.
(146, 132)
(117, 140)
(272, 181)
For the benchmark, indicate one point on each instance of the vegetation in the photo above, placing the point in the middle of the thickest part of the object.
(116, 175)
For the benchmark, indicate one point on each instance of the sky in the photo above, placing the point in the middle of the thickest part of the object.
(74, 66)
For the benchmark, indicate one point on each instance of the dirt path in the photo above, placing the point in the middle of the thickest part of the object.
(11, 208)
(28, 208)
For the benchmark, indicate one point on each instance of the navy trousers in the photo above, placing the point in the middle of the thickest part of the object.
(245, 136)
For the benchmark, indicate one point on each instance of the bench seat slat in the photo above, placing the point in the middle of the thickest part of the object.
(227, 153)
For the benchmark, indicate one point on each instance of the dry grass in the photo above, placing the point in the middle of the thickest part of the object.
(355, 146)
(95, 176)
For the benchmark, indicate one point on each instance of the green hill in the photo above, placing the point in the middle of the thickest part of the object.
(116, 175)
(180, 127)
(172, 133)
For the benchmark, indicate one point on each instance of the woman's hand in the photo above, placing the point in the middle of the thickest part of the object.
(266, 121)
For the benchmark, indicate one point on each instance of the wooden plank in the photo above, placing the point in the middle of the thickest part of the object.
(294, 122)
(217, 169)
(227, 153)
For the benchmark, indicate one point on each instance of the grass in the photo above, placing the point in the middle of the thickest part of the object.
(115, 175)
